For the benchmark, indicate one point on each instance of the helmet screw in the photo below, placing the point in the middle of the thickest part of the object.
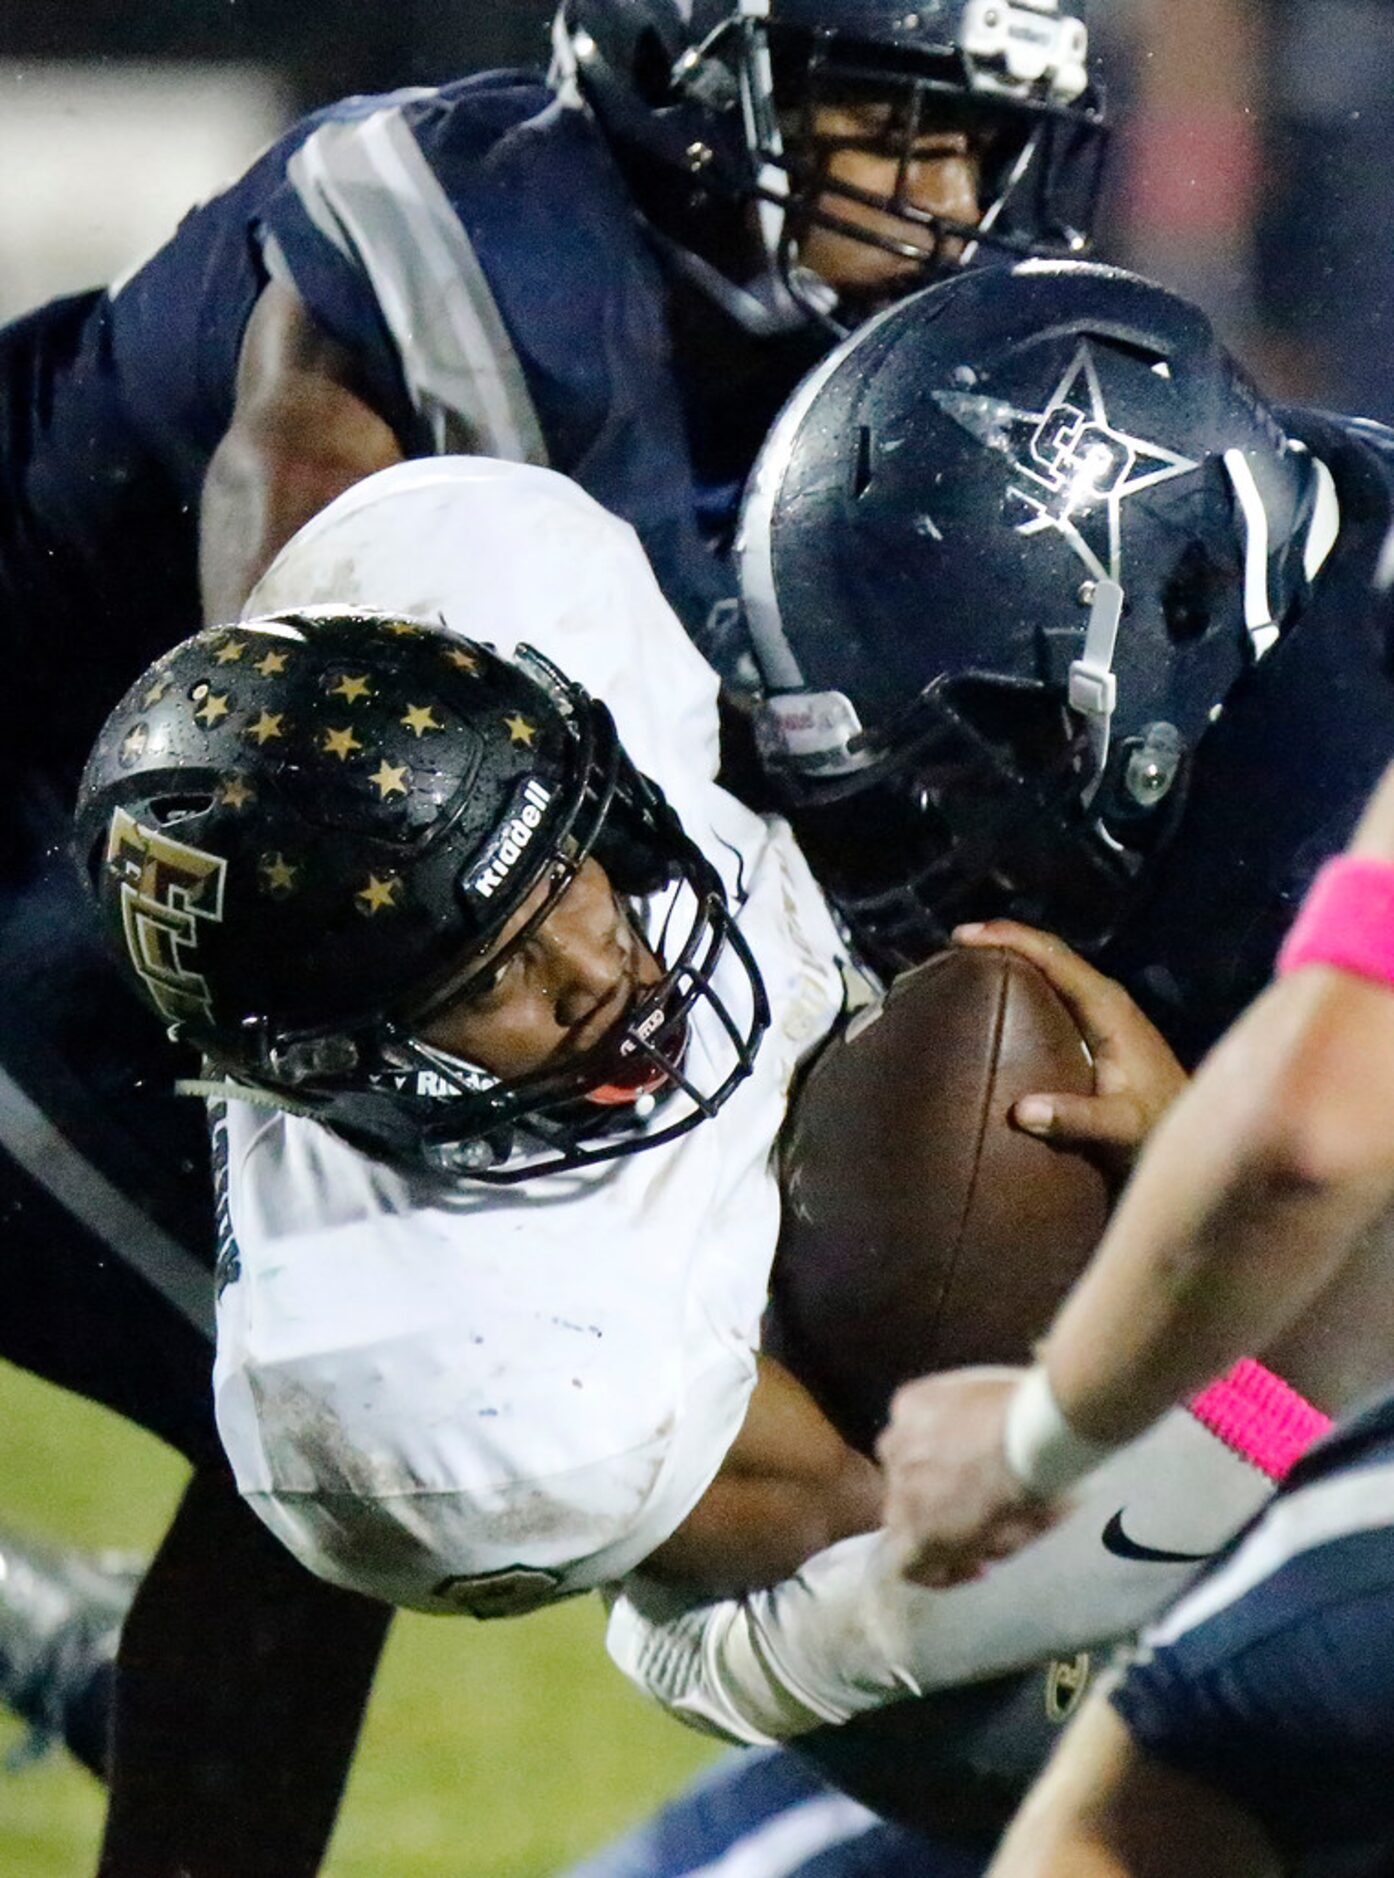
(1088, 592)
(699, 155)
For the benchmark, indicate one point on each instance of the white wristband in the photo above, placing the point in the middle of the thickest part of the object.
(1042, 1449)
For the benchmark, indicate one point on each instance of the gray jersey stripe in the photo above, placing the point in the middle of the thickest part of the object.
(52, 1160)
(368, 188)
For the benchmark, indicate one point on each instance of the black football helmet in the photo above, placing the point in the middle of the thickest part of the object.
(710, 108)
(305, 833)
(1004, 555)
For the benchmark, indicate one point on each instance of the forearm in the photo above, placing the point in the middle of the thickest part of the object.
(265, 480)
(847, 1634)
(789, 1487)
(303, 430)
(1219, 1243)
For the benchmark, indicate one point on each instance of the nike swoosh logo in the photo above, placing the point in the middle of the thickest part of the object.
(1121, 1546)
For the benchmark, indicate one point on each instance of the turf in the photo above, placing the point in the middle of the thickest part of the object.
(499, 1750)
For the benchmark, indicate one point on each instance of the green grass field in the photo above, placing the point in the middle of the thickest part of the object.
(498, 1750)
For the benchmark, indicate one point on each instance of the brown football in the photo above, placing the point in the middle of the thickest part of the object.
(920, 1229)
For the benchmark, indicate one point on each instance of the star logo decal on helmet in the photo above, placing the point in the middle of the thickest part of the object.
(340, 743)
(390, 780)
(231, 652)
(156, 691)
(211, 706)
(1071, 468)
(277, 875)
(235, 792)
(378, 895)
(272, 665)
(419, 719)
(134, 743)
(351, 688)
(520, 730)
(269, 725)
(462, 661)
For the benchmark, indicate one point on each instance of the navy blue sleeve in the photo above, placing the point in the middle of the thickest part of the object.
(1284, 1699)
(373, 227)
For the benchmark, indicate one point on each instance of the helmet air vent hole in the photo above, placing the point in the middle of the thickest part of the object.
(167, 810)
(861, 475)
(653, 70)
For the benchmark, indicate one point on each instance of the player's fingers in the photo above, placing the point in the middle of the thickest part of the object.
(941, 1572)
(1114, 1121)
(1011, 1534)
(1097, 1003)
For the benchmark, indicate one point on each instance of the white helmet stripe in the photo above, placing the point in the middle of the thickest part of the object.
(1258, 605)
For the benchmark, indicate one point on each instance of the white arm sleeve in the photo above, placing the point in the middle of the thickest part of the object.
(848, 1634)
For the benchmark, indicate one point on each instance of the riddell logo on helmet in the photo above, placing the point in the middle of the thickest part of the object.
(511, 842)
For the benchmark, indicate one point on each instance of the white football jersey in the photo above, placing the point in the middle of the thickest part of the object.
(464, 1397)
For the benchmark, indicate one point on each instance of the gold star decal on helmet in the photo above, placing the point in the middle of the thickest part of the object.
(390, 781)
(277, 874)
(520, 730)
(273, 663)
(230, 653)
(378, 894)
(403, 628)
(462, 661)
(268, 725)
(340, 743)
(214, 706)
(420, 718)
(235, 792)
(351, 689)
(133, 745)
(156, 691)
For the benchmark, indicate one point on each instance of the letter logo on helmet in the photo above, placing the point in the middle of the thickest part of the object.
(165, 888)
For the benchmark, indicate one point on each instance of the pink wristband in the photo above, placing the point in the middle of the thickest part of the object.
(1346, 920)
(1260, 1417)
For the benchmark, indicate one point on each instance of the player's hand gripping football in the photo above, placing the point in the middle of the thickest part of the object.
(1136, 1076)
(952, 1503)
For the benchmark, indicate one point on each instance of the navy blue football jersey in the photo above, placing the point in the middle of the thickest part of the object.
(1272, 1679)
(1281, 777)
(475, 247)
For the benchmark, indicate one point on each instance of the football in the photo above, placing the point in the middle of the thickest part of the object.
(921, 1230)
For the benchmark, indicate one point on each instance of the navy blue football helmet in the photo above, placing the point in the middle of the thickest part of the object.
(711, 108)
(309, 834)
(1005, 555)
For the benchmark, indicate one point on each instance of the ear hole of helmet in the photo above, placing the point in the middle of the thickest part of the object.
(1198, 589)
(629, 858)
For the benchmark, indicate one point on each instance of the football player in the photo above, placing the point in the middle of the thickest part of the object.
(619, 274)
(504, 1035)
(1058, 619)
(488, 1037)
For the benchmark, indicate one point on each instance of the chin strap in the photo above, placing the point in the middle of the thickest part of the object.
(219, 1089)
(1093, 691)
